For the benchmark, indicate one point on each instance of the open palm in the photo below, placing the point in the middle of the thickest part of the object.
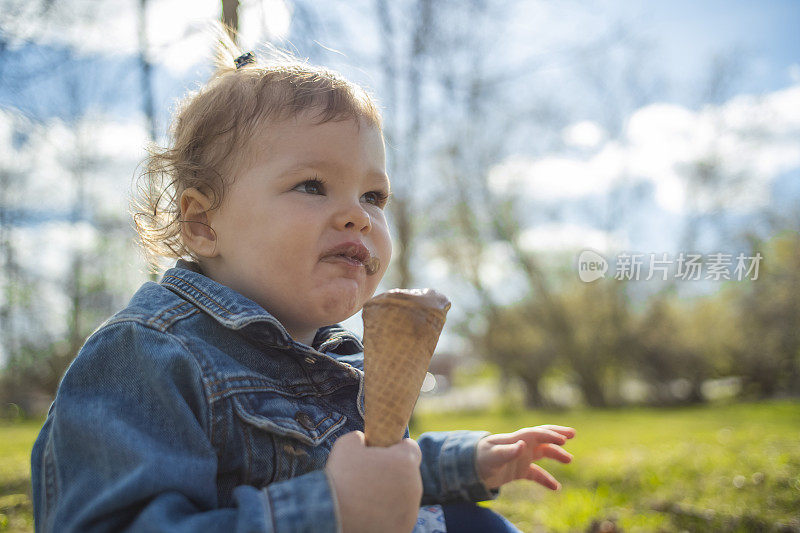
(505, 457)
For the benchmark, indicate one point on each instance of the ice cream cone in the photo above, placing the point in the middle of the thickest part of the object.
(401, 329)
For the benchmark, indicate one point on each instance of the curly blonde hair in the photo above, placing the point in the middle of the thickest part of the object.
(212, 127)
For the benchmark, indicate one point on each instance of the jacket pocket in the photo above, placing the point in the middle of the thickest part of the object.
(285, 436)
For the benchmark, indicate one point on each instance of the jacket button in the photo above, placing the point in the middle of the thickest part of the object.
(310, 360)
(304, 420)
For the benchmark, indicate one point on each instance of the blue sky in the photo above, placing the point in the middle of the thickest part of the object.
(683, 36)
(693, 31)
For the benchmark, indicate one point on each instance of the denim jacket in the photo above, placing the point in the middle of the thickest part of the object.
(192, 409)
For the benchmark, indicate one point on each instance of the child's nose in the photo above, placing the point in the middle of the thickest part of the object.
(354, 216)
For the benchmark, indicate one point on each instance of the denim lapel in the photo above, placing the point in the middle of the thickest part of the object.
(237, 312)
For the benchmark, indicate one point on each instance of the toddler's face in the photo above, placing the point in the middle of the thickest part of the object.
(294, 228)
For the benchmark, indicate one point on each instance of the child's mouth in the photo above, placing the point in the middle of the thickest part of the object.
(349, 260)
(354, 254)
(371, 265)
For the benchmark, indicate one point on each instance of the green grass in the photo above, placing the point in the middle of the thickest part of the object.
(16, 441)
(724, 468)
(712, 468)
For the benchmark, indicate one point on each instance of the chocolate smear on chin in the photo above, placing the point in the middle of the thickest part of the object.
(372, 265)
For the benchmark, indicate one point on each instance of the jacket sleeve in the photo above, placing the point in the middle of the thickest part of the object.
(448, 468)
(125, 447)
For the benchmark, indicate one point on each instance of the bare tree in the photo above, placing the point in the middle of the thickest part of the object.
(482, 123)
(74, 88)
(230, 17)
(10, 180)
(148, 105)
(404, 163)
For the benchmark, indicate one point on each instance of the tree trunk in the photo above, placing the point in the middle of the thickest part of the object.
(147, 73)
(592, 390)
(534, 399)
(230, 17)
(403, 164)
(9, 283)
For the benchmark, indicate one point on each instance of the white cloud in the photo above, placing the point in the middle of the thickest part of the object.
(585, 134)
(259, 19)
(46, 248)
(557, 177)
(794, 73)
(498, 265)
(104, 152)
(566, 237)
(48, 154)
(111, 138)
(756, 138)
(175, 28)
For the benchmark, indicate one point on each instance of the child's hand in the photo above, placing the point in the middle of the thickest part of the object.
(378, 489)
(504, 457)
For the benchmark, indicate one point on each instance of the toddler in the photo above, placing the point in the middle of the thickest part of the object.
(226, 397)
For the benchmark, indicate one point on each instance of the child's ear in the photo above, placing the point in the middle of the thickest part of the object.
(197, 233)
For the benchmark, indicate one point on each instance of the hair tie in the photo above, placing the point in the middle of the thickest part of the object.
(244, 59)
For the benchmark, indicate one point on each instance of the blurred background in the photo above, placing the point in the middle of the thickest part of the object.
(520, 133)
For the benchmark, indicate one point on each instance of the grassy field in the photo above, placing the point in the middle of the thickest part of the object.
(16, 441)
(725, 468)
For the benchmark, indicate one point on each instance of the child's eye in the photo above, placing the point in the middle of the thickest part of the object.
(313, 186)
(378, 198)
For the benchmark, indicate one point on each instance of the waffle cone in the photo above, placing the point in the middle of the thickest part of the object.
(401, 329)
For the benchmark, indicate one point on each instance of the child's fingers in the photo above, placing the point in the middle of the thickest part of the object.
(561, 430)
(540, 435)
(504, 438)
(506, 452)
(543, 477)
(556, 452)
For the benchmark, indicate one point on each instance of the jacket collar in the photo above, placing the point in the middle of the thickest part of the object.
(235, 311)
